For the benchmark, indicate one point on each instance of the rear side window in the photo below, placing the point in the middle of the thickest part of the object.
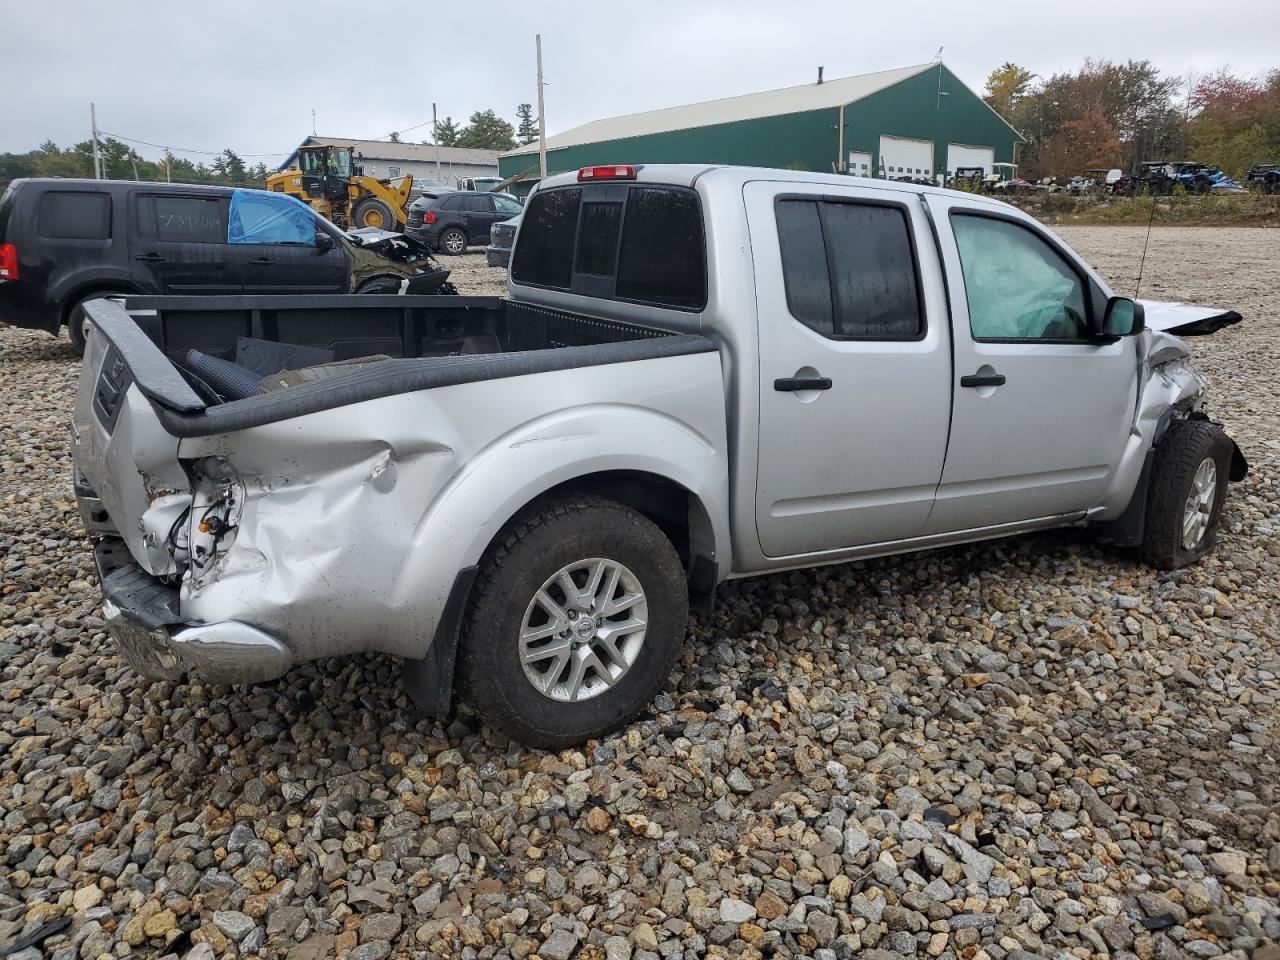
(507, 205)
(65, 215)
(183, 219)
(850, 269)
(452, 202)
(662, 259)
(479, 203)
(544, 257)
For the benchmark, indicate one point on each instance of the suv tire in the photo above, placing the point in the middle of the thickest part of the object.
(77, 319)
(1187, 489)
(452, 241)
(593, 667)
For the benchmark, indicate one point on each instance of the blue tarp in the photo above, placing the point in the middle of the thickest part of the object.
(261, 217)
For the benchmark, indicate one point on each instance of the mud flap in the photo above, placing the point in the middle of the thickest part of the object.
(429, 681)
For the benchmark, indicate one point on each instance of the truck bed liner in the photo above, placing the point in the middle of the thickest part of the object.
(149, 334)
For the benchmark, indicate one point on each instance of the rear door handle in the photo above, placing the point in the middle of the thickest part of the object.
(982, 380)
(792, 384)
(150, 258)
(261, 262)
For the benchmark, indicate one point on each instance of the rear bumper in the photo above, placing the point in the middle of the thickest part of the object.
(143, 616)
(497, 256)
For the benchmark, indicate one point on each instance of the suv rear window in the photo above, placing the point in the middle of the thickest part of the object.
(67, 215)
(640, 243)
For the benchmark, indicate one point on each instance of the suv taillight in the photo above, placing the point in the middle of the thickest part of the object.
(8, 261)
(428, 217)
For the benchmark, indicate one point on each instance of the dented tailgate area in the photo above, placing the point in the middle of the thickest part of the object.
(241, 537)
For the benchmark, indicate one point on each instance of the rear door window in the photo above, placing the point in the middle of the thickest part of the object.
(182, 219)
(662, 259)
(849, 269)
(544, 255)
(79, 215)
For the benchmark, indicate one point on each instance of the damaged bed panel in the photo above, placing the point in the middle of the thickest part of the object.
(303, 562)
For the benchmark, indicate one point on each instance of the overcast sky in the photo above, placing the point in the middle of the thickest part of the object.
(247, 75)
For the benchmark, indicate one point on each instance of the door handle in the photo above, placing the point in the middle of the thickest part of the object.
(260, 262)
(982, 380)
(150, 258)
(792, 384)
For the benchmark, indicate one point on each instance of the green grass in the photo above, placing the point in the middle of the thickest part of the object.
(1226, 210)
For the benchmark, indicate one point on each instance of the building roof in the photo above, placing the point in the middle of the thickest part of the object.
(385, 150)
(751, 106)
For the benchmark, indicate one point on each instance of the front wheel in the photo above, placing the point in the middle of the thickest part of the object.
(576, 619)
(453, 242)
(375, 213)
(1188, 488)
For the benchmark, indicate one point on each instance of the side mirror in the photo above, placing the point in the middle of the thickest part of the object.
(324, 242)
(1123, 317)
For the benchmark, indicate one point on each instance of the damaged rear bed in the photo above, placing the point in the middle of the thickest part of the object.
(332, 453)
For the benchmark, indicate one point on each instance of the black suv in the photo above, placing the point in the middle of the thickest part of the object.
(452, 222)
(63, 242)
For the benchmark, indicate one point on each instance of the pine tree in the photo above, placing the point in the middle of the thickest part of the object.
(527, 132)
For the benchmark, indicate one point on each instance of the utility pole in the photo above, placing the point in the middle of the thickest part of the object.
(435, 137)
(168, 167)
(542, 118)
(97, 154)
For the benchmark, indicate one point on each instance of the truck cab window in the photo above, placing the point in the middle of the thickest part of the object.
(662, 260)
(849, 269)
(1017, 286)
(544, 257)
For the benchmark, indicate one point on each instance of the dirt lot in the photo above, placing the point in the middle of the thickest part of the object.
(1027, 747)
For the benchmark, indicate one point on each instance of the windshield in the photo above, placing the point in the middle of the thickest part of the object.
(314, 162)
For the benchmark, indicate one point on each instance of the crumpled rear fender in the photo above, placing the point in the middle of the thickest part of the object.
(345, 543)
(518, 468)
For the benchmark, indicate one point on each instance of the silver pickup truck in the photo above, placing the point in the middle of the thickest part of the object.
(700, 373)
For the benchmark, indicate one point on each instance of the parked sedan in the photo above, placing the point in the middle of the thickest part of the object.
(455, 221)
(502, 237)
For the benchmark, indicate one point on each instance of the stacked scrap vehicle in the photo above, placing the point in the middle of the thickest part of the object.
(1265, 176)
(1165, 177)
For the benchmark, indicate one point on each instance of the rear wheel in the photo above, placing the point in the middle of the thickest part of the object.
(78, 319)
(574, 624)
(453, 242)
(372, 212)
(1188, 488)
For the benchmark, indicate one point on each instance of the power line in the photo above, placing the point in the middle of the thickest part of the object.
(210, 153)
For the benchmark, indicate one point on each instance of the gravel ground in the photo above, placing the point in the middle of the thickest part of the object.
(1026, 747)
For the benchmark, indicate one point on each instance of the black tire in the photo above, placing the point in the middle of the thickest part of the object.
(452, 242)
(76, 319)
(371, 208)
(524, 557)
(1178, 458)
(380, 285)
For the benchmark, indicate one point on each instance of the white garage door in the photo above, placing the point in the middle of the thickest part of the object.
(900, 157)
(959, 155)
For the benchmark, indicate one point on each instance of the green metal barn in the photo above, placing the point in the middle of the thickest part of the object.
(918, 122)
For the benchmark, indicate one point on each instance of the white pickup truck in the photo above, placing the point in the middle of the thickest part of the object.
(701, 373)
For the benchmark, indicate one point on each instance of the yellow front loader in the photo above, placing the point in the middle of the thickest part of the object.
(327, 181)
